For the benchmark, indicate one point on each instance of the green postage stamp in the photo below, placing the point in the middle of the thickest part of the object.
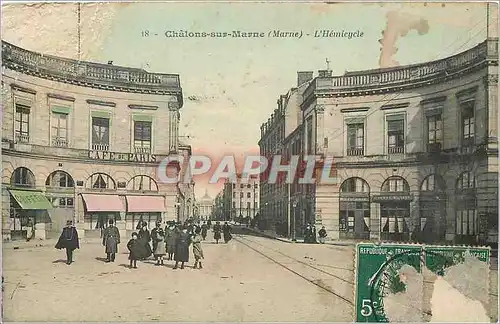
(420, 283)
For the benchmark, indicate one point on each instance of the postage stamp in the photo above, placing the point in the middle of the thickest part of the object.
(408, 282)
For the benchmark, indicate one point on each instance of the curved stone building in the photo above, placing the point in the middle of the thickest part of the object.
(81, 141)
(415, 150)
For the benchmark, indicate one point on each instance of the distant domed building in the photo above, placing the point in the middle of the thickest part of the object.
(205, 206)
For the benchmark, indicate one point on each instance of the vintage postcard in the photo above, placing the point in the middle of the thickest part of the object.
(249, 161)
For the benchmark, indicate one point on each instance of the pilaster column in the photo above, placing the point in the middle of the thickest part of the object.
(173, 126)
(374, 221)
(319, 130)
(491, 104)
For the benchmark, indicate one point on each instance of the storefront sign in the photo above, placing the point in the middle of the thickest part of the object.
(123, 157)
(383, 198)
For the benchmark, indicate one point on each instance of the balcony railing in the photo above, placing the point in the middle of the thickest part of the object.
(409, 74)
(22, 138)
(59, 142)
(355, 152)
(87, 73)
(396, 150)
(100, 147)
(142, 150)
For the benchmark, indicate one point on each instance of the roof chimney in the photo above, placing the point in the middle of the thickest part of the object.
(325, 73)
(303, 77)
(110, 62)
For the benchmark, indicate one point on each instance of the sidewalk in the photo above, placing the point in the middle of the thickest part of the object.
(34, 243)
(270, 234)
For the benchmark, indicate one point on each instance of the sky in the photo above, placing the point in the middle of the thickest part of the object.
(231, 85)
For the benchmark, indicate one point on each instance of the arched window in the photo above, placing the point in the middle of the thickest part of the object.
(59, 179)
(354, 209)
(354, 185)
(22, 177)
(466, 181)
(395, 211)
(432, 205)
(466, 220)
(142, 183)
(433, 182)
(395, 184)
(100, 181)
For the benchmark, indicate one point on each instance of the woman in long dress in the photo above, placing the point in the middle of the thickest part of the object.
(170, 236)
(182, 248)
(144, 238)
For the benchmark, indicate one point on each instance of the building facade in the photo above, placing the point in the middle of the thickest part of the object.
(415, 151)
(206, 207)
(241, 199)
(82, 141)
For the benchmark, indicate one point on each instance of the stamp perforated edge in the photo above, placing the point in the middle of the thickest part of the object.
(355, 272)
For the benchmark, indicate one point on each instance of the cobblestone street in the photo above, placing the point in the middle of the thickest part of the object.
(249, 279)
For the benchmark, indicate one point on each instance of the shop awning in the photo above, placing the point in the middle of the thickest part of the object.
(31, 199)
(102, 203)
(145, 204)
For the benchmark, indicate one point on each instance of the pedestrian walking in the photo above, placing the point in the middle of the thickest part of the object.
(322, 235)
(182, 248)
(69, 241)
(144, 238)
(160, 249)
(197, 249)
(226, 230)
(313, 235)
(111, 239)
(134, 248)
(209, 224)
(204, 230)
(170, 236)
(307, 233)
(217, 229)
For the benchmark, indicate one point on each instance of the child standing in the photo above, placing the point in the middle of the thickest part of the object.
(160, 249)
(134, 247)
(197, 250)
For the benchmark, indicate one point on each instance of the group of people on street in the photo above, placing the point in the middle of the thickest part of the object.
(173, 241)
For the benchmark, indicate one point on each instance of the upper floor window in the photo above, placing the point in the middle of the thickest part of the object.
(142, 137)
(100, 134)
(354, 185)
(234, 194)
(249, 195)
(23, 177)
(395, 135)
(249, 186)
(395, 184)
(310, 144)
(100, 181)
(59, 179)
(467, 109)
(143, 183)
(22, 123)
(234, 204)
(466, 181)
(355, 139)
(242, 186)
(234, 186)
(241, 194)
(59, 127)
(435, 133)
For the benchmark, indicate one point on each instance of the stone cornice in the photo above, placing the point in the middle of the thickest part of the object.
(22, 89)
(395, 106)
(88, 74)
(354, 109)
(60, 97)
(433, 100)
(101, 103)
(143, 107)
(389, 80)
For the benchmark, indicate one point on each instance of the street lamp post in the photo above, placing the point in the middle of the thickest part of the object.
(294, 220)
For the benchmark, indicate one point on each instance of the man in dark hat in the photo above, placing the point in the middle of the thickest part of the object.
(111, 239)
(69, 241)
